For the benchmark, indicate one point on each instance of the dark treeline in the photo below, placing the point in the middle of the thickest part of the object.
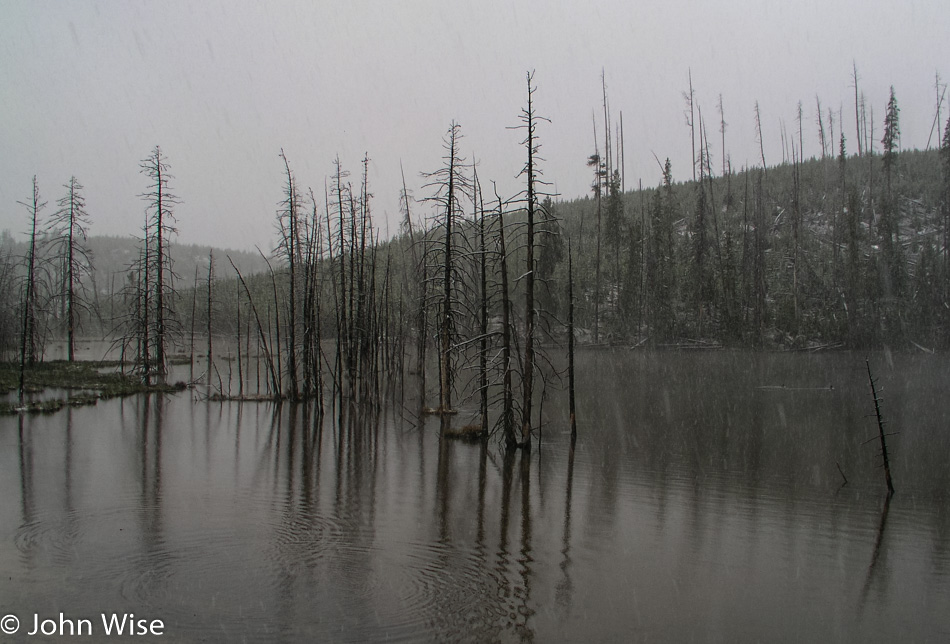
(848, 251)
(845, 249)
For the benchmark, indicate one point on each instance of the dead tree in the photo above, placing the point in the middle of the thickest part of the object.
(881, 434)
(28, 328)
(483, 306)
(288, 224)
(418, 263)
(690, 98)
(530, 171)
(340, 192)
(596, 162)
(507, 410)
(570, 343)
(158, 275)
(758, 136)
(211, 311)
(857, 115)
(450, 185)
(66, 244)
(313, 369)
(822, 139)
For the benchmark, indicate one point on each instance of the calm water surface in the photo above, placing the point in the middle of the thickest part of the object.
(703, 502)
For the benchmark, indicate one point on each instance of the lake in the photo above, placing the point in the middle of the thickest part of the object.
(704, 500)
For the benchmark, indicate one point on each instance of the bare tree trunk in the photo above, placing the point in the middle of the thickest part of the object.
(145, 319)
(211, 311)
(420, 265)
(160, 202)
(342, 329)
(821, 129)
(598, 179)
(288, 220)
(70, 276)
(690, 101)
(483, 318)
(528, 118)
(857, 117)
(191, 342)
(758, 130)
(570, 341)
(880, 427)
(28, 328)
(160, 251)
(507, 412)
(239, 365)
(445, 322)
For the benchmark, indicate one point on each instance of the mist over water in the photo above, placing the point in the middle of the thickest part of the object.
(703, 500)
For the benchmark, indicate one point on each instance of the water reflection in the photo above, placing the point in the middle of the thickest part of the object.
(693, 505)
(25, 445)
(564, 590)
(151, 568)
(877, 554)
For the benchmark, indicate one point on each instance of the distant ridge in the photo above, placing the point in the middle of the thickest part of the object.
(113, 255)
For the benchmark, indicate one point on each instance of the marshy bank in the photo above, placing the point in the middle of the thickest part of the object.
(50, 386)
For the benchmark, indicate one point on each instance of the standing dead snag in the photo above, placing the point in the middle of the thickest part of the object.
(530, 171)
(483, 304)
(450, 185)
(28, 329)
(507, 411)
(67, 240)
(288, 227)
(211, 311)
(445, 370)
(420, 265)
(570, 342)
(594, 161)
(313, 331)
(157, 273)
(880, 427)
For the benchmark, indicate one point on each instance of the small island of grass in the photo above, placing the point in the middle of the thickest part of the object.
(84, 383)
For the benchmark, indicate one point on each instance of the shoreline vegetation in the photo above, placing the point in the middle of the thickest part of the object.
(83, 383)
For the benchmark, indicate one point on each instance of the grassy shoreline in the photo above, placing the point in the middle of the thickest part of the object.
(90, 380)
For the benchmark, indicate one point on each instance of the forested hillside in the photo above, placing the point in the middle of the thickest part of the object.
(848, 251)
(800, 255)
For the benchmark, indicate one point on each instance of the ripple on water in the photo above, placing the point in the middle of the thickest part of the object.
(447, 588)
(48, 537)
(304, 538)
(126, 557)
(413, 587)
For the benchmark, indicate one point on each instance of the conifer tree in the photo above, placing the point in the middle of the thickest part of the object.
(890, 220)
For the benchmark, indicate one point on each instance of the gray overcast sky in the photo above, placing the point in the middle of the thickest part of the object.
(89, 88)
